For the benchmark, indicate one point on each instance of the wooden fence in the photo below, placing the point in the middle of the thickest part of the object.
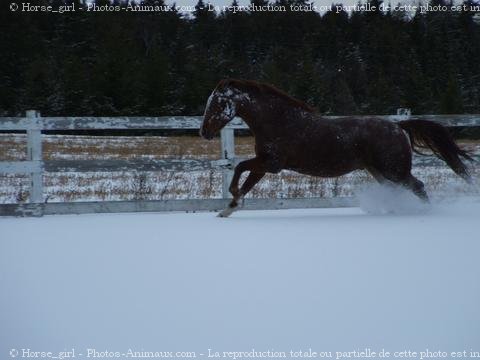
(33, 124)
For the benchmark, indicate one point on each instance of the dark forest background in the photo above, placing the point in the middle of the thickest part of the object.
(167, 63)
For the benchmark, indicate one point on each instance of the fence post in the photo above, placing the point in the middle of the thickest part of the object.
(34, 154)
(227, 140)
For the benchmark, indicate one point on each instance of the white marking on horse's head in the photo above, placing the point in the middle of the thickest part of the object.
(229, 96)
(233, 93)
(209, 101)
(221, 108)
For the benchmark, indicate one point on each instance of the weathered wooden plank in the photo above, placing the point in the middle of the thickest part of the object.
(19, 123)
(101, 123)
(20, 167)
(451, 120)
(189, 205)
(463, 120)
(185, 122)
(22, 210)
(299, 203)
(132, 165)
(27, 167)
(134, 206)
(418, 160)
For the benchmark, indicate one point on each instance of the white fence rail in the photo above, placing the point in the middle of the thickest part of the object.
(33, 124)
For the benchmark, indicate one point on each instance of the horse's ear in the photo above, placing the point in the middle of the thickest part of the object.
(223, 83)
(242, 85)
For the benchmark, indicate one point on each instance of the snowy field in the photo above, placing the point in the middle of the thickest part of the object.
(326, 279)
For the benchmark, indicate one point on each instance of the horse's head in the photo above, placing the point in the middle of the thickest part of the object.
(220, 110)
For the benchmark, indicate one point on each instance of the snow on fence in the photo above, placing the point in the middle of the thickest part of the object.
(34, 124)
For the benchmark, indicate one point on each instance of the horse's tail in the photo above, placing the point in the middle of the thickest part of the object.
(430, 135)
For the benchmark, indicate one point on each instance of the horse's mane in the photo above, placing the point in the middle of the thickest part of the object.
(264, 88)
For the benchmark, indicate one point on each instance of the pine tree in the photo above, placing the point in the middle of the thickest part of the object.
(451, 101)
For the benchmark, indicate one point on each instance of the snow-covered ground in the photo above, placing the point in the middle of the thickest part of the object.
(326, 279)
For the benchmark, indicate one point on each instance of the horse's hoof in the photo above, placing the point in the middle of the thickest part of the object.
(226, 213)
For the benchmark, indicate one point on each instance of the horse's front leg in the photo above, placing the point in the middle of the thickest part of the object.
(257, 171)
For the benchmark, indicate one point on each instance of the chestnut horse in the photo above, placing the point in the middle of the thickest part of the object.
(290, 135)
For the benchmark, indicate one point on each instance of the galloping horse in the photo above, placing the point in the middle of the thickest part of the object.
(290, 135)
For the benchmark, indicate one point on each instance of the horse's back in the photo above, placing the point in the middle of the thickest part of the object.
(333, 147)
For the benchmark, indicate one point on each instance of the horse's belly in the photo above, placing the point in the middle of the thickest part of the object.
(324, 168)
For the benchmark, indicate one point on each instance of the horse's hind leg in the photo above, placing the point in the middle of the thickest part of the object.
(417, 187)
(411, 182)
(376, 175)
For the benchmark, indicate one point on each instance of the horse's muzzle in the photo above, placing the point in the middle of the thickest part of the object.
(205, 135)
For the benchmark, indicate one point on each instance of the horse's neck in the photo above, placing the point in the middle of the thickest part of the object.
(263, 117)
